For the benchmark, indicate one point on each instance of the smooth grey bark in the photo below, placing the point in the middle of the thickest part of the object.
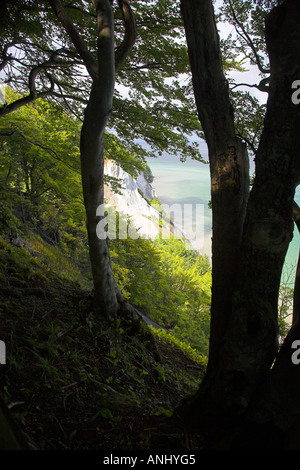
(107, 295)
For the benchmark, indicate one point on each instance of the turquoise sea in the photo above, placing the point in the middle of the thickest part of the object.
(189, 183)
(185, 184)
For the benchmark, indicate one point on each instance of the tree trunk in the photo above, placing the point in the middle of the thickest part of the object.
(277, 402)
(107, 295)
(249, 342)
(229, 165)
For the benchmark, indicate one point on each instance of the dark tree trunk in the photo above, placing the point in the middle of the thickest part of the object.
(249, 345)
(277, 403)
(251, 340)
(107, 294)
(229, 166)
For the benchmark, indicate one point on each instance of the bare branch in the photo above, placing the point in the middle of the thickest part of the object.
(6, 58)
(261, 86)
(149, 66)
(85, 12)
(248, 142)
(34, 72)
(33, 95)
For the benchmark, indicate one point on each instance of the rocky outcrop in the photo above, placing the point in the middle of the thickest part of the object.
(128, 183)
(133, 200)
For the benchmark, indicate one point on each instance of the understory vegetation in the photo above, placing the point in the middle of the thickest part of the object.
(74, 381)
(41, 202)
(71, 378)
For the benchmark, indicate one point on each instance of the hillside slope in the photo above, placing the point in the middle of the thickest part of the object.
(73, 381)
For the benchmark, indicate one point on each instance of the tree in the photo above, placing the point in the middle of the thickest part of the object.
(102, 72)
(251, 229)
(40, 174)
(47, 56)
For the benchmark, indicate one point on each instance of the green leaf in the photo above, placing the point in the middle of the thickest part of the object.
(106, 413)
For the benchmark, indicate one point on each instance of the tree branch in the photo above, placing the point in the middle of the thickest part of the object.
(85, 12)
(106, 56)
(43, 147)
(248, 142)
(4, 55)
(33, 95)
(125, 47)
(296, 215)
(209, 82)
(149, 66)
(261, 86)
(248, 40)
(79, 44)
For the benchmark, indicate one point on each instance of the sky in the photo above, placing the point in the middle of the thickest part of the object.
(251, 76)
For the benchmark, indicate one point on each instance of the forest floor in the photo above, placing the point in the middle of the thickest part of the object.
(72, 380)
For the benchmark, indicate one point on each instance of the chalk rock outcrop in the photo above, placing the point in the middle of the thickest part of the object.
(133, 200)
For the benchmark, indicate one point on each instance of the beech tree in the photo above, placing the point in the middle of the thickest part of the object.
(102, 72)
(251, 384)
(101, 68)
(74, 53)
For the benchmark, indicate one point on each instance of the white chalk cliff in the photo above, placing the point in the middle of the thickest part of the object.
(133, 202)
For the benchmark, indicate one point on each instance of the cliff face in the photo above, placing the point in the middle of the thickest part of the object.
(134, 202)
(131, 202)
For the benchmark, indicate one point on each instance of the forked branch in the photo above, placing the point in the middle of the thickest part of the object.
(33, 95)
(78, 42)
(125, 47)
